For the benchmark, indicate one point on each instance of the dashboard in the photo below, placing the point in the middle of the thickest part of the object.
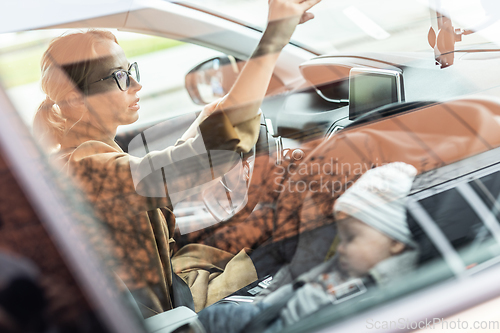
(340, 88)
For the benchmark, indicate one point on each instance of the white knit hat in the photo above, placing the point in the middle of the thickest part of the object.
(378, 199)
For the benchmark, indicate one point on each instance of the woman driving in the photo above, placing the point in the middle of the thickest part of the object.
(91, 89)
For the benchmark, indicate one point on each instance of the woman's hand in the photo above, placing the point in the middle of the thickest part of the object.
(208, 110)
(243, 101)
(295, 10)
(283, 18)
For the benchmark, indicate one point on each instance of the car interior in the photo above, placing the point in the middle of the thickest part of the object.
(453, 209)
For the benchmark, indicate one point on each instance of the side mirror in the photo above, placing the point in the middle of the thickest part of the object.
(212, 79)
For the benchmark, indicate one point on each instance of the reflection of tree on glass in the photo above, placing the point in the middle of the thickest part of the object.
(91, 89)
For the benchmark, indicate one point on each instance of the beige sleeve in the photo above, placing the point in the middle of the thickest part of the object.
(162, 178)
(219, 134)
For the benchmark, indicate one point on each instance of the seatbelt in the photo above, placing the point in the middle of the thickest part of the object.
(181, 294)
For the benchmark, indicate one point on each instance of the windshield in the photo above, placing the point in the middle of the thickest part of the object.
(369, 26)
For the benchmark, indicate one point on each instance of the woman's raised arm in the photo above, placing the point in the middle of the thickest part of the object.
(245, 97)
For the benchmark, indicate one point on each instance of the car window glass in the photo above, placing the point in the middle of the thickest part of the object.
(30, 258)
(163, 65)
(462, 227)
(428, 251)
(471, 239)
(488, 188)
(294, 228)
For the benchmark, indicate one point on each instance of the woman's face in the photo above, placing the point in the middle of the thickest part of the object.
(108, 106)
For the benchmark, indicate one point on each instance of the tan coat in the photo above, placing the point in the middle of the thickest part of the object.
(138, 234)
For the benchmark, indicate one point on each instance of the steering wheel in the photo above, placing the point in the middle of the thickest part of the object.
(238, 191)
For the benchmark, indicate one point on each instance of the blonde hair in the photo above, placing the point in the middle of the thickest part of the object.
(65, 67)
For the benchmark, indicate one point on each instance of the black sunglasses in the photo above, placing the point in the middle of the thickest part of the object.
(122, 77)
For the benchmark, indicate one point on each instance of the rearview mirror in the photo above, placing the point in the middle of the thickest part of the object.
(212, 79)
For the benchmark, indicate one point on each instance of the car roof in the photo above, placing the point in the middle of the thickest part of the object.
(28, 15)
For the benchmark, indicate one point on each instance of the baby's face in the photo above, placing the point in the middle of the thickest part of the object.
(361, 246)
